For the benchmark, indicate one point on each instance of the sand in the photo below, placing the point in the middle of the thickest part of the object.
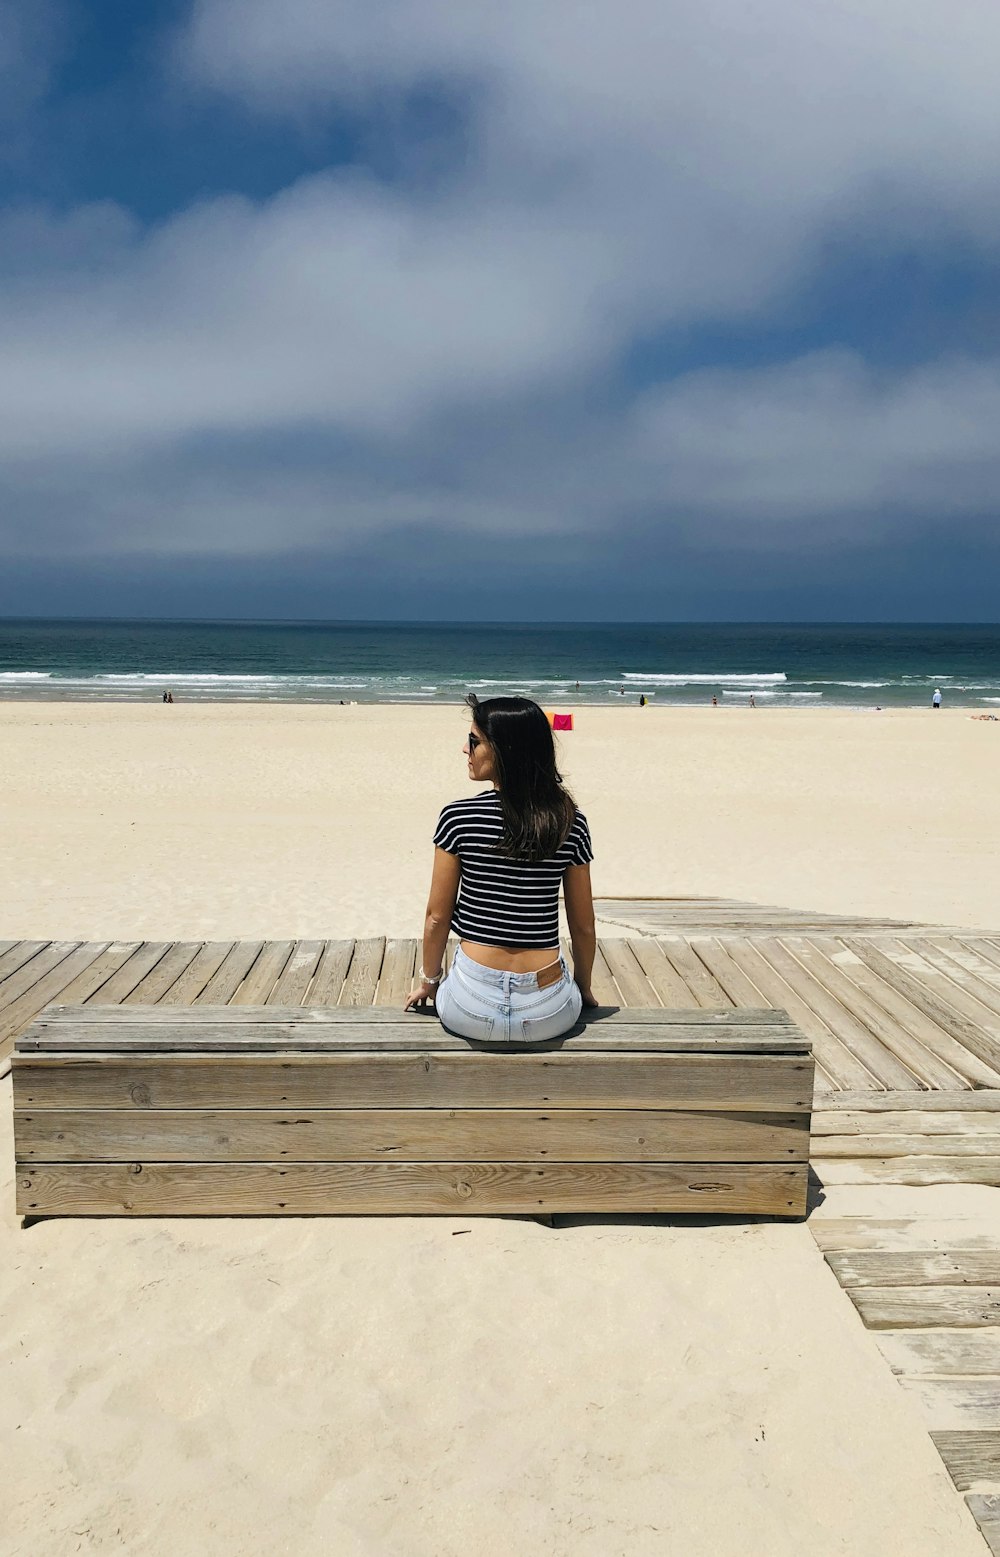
(124, 820)
(427, 1387)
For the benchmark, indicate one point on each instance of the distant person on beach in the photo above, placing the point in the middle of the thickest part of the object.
(753, 701)
(621, 691)
(166, 697)
(170, 697)
(499, 859)
(642, 700)
(715, 701)
(936, 699)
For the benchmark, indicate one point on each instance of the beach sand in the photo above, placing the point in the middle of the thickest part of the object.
(427, 1387)
(124, 820)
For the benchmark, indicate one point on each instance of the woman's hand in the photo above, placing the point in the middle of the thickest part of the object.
(418, 997)
(588, 996)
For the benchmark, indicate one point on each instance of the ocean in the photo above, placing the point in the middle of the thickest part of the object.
(781, 665)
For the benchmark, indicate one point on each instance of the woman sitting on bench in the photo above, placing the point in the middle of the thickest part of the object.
(499, 858)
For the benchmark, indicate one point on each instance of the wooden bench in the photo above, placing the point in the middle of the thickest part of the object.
(142, 1110)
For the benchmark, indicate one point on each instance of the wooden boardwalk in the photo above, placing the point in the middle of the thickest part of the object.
(905, 1025)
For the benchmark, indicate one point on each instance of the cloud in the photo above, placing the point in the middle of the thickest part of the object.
(361, 356)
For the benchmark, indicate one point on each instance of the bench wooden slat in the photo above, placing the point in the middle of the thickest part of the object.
(246, 1016)
(422, 1079)
(414, 1033)
(373, 1188)
(370, 1134)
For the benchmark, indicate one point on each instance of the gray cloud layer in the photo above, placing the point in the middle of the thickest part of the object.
(352, 359)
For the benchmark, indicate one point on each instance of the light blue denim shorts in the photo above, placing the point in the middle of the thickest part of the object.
(488, 1006)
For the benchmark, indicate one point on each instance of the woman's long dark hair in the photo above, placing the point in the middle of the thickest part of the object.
(537, 811)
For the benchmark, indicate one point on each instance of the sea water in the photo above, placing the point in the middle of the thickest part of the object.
(785, 665)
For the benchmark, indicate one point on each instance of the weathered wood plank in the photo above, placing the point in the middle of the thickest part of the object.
(985, 1510)
(664, 980)
(884, 1147)
(941, 1352)
(18, 954)
(917, 1268)
(952, 962)
(942, 1011)
(710, 1023)
(396, 978)
(264, 974)
(970, 1456)
(362, 976)
(908, 1170)
(602, 983)
(727, 973)
(428, 1079)
(167, 971)
(902, 1234)
(884, 1308)
(973, 1100)
(370, 1134)
(704, 986)
(34, 968)
(297, 974)
(228, 977)
(918, 1060)
(635, 988)
(122, 982)
(910, 1121)
(410, 1031)
(328, 980)
(197, 974)
(66, 972)
(956, 1403)
(839, 1063)
(968, 1068)
(879, 1061)
(234, 1189)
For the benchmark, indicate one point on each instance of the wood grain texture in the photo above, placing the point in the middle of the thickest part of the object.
(942, 1352)
(331, 971)
(884, 1308)
(956, 1403)
(415, 1030)
(907, 1170)
(917, 1268)
(970, 1456)
(703, 984)
(296, 976)
(234, 1189)
(968, 1068)
(262, 976)
(228, 977)
(979, 1101)
(33, 969)
(928, 1123)
(429, 1079)
(893, 1144)
(68, 970)
(434, 1134)
(839, 1063)
(901, 1234)
(155, 984)
(937, 1003)
(197, 974)
(131, 972)
(985, 1510)
(361, 978)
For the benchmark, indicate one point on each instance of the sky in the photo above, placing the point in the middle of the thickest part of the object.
(548, 310)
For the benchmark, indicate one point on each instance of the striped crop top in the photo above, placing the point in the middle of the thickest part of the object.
(503, 902)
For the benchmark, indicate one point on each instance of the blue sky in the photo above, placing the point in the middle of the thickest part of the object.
(542, 310)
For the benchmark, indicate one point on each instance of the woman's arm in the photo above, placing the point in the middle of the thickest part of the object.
(582, 931)
(437, 923)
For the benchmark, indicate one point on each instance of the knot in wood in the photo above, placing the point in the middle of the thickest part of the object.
(135, 1167)
(140, 1095)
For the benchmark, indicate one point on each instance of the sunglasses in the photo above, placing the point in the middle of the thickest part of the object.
(474, 741)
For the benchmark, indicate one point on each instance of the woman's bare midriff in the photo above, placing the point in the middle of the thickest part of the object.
(511, 959)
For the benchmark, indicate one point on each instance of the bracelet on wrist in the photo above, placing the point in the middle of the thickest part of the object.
(425, 978)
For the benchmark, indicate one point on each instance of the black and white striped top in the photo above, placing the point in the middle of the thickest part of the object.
(503, 902)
